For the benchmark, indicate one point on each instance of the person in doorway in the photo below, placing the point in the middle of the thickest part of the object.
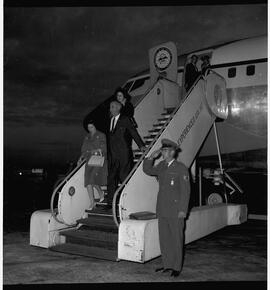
(205, 66)
(127, 109)
(191, 72)
(172, 204)
(120, 155)
(94, 143)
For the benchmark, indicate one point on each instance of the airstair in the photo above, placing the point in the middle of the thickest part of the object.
(162, 112)
(97, 234)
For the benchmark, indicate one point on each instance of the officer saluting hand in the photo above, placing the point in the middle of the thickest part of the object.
(172, 204)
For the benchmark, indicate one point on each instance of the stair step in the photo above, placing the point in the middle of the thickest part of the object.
(136, 151)
(92, 238)
(86, 251)
(150, 137)
(158, 126)
(166, 115)
(99, 211)
(84, 233)
(169, 110)
(163, 120)
(148, 142)
(101, 203)
(100, 223)
(155, 131)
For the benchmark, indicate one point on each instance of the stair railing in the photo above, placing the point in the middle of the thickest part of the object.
(59, 186)
(121, 187)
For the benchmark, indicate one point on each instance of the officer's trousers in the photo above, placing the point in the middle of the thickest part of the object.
(171, 238)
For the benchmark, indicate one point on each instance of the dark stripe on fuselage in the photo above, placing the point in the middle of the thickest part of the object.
(236, 63)
(227, 64)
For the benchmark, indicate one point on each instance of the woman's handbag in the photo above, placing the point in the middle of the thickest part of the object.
(96, 160)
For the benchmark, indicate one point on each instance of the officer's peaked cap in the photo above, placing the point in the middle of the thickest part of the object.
(166, 143)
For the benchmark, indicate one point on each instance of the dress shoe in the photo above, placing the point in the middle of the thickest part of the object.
(92, 207)
(175, 273)
(101, 198)
(166, 270)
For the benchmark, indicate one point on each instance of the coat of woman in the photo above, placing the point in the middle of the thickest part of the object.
(94, 142)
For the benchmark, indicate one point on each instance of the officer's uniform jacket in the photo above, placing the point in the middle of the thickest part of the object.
(174, 187)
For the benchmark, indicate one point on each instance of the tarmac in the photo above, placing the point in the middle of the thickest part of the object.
(234, 253)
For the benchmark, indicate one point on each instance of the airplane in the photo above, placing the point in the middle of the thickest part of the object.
(243, 135)
(223, 114)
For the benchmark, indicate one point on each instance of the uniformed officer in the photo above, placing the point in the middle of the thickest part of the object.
(172, 204)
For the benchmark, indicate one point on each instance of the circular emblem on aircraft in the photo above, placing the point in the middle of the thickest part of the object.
(162, 58)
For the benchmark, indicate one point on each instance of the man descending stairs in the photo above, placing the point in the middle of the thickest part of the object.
(119, 148)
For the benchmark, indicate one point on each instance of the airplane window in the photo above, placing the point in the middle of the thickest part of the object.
(138, 83)
(232, 72)
(128, 85)
(250, 70)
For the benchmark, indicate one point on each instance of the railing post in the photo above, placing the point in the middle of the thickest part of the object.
(200, 186)
(220, 161)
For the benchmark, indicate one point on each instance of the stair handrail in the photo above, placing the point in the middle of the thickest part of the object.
(121, 187)
(61, 184)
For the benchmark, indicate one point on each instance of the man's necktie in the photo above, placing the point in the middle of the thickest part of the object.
(113, 121)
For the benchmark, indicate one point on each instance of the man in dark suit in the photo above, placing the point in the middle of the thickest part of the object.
(120, 155)
(191, 72)
(205, 66)
(172, 204)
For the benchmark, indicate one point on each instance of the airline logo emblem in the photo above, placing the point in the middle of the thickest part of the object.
(162, 58)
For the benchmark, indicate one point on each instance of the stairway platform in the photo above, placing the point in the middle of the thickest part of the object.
(86, 251)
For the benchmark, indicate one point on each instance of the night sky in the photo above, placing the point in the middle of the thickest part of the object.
(59, 63)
